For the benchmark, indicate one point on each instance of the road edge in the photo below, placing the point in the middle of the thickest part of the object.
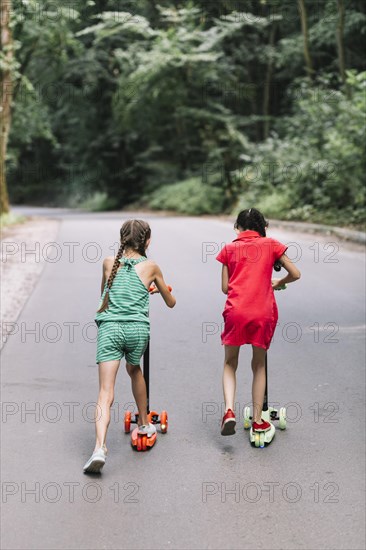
(18, 285)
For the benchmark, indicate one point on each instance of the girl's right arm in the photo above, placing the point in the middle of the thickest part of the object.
(163, 288)
(225, 279)
(107, 268)
(293, 274)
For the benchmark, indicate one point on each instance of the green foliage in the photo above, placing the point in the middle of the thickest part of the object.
(317, 163)
(97, 202)
(115, 100)
(188, 197)
(10, 219)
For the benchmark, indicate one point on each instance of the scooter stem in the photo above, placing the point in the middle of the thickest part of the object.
(265, 401)
(146, 373)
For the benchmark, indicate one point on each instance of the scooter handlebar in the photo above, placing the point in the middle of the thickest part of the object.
(277, 267)
(282, 287)
(153, 287)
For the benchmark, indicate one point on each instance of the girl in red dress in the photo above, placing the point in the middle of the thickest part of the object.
(250, 312)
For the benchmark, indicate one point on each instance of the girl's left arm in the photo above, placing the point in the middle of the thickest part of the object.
(162, 287)
(224, 279)
(293, 274)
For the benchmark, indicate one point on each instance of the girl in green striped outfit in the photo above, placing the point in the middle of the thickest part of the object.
(124, 327)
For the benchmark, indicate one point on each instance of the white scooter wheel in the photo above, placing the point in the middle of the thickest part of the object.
(247, 422)
(282, 419)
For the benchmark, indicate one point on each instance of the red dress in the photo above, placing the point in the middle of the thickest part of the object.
(250, 312)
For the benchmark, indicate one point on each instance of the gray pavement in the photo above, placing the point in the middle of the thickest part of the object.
(195, 489)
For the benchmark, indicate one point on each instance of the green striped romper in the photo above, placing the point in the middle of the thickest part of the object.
(124, 327)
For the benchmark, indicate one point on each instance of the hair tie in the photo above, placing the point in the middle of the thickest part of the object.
(250, 210)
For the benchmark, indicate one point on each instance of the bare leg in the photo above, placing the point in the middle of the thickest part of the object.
(107, 377)
(229, 375)
(259, 382)
(138, 390)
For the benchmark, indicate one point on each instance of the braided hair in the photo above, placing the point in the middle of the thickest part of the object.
(134, 235)
(252, 219)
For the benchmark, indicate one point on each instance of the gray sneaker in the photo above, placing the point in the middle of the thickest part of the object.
(147, 429)
(96, 461)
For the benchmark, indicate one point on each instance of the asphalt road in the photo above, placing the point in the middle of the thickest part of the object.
(195, 489)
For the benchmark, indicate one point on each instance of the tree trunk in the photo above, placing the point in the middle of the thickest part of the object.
(267, 83)
(6, 90)
(305, 33)
(340, 46)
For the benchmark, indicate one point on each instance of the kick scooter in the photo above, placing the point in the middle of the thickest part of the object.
(142, 442)
(260, 439)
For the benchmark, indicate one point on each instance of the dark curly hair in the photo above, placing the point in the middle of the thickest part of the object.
(252, 219)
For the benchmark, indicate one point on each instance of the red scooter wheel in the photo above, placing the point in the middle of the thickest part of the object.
(127, 422)
(141, 443)
(164, 422)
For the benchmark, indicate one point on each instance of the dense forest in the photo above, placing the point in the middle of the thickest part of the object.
(198, 106)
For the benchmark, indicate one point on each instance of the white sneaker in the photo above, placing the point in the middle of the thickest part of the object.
(96, 461)
(147, 429)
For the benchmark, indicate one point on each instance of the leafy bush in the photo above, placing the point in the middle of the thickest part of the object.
(190, 196)
(273, 204)
(314, 168)
(97, 202)
(10, 218)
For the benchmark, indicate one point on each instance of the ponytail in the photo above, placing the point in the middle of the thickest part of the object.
(252, 219)
(111, 277)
